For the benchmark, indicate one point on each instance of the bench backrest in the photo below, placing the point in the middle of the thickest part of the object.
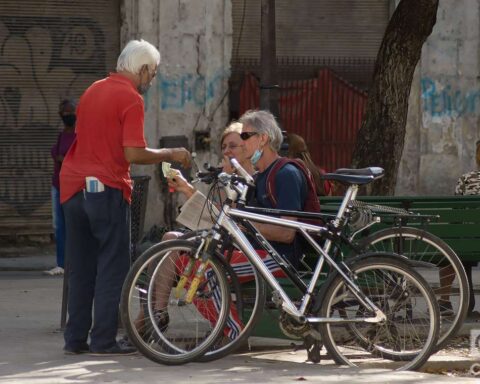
(458, 225)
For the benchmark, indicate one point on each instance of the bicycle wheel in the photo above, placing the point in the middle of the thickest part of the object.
(445, 272)
(248, 298)
(159, 318)
(408, 335)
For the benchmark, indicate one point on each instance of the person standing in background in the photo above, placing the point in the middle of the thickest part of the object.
(96, 190)
(59, 150)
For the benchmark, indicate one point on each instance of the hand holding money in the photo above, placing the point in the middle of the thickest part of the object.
(168, 173)
(176, 181)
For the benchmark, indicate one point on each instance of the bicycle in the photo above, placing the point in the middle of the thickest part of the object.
(400, 292)
(431, 254)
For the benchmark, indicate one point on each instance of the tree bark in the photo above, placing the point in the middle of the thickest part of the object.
(381, 136)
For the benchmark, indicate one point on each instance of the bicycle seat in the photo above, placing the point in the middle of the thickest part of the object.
(355, 176)
(376, 172)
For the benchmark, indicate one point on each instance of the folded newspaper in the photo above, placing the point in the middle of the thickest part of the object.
(195, 213)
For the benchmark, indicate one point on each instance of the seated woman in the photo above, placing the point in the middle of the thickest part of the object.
(231, 146)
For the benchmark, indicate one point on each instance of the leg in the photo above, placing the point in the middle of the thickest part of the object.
(81, 247)
(161, 288)
(59, 229)
(109, 216)
(447, 275)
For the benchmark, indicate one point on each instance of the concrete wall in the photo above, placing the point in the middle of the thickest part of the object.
(190, 91)
(444, 111)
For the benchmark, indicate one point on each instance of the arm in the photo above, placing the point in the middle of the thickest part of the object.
(139, 155)
(276, 233)
(134, 146)
(460, 187)
(180, 184)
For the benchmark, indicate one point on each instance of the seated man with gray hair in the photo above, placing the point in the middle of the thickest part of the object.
(281, 183)
(96, 189)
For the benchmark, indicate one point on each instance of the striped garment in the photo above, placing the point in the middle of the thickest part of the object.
(242, 267)
(468, 184)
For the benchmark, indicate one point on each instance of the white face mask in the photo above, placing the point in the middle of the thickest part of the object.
(256, 156)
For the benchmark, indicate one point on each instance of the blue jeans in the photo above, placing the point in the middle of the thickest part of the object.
(59, 226)
(98, 255)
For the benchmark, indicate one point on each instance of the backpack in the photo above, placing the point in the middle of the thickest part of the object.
(312, 204)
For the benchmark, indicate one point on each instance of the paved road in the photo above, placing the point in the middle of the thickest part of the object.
(31, 352)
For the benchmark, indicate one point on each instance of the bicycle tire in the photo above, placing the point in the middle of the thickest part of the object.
(421, 245)
(377, 273)
(251, 312)
(177, 342)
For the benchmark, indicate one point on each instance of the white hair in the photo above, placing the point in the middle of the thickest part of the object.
(136, 54)
(264, 122)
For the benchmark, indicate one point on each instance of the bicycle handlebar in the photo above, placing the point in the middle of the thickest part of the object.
(241, 171)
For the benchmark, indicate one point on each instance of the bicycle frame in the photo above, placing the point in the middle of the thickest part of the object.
(227, 222)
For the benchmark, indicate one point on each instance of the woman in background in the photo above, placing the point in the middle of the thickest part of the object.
(297, 149)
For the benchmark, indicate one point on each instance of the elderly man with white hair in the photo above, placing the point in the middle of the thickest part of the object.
(95, 190)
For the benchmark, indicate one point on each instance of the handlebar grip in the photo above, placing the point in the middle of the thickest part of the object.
(241, 171)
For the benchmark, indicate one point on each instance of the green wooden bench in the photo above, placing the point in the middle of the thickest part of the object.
(458, 224)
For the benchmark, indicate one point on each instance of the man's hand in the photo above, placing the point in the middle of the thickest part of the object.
(182, 156)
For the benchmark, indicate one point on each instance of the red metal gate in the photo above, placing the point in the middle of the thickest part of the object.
(326, 111)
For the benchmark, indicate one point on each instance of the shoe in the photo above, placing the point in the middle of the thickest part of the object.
(162, 319)
(125, 342)
(83, 348)
(474, 316)
(446, 308)
(116, 350)
(57, 271)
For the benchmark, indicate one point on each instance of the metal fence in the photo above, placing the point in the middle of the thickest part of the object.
(326, 111)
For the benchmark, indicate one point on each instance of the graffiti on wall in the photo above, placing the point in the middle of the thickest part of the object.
(178, 91)
(42, 61)
(447, 100)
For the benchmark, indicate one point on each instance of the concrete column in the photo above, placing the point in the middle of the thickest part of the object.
(190, 93)
(444, 113)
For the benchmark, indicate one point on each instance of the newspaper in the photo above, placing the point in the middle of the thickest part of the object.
(195, 213)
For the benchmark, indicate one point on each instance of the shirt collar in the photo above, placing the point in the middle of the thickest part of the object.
(122, 79)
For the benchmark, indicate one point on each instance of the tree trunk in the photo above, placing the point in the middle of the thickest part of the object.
(382, 133)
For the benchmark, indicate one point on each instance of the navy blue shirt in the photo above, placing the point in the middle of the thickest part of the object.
(291, 193)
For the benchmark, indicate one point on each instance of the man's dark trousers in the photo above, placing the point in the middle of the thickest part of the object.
(98, 254)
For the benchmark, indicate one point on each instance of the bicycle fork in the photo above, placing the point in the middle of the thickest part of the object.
(205, 250)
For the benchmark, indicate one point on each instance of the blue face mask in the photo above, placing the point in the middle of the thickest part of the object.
(256, 156)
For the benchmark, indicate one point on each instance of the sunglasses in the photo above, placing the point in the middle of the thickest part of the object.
(246, 135)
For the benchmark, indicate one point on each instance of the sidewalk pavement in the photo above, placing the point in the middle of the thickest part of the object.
(27, 258)
(31, 350)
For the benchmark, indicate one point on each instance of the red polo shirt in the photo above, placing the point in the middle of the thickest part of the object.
(109, 117)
